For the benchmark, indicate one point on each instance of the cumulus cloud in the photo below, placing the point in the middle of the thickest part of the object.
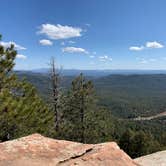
(154, 44)
(74, 50)
(105, 58)
(8, 44)
(45, 42)
(91, 56)
(136, 48)
(20, 56)
(59, 32)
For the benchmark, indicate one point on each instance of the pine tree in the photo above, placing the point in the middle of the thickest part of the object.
(83, 120)
(138, 143)
(7, 56)
(82, 96)
(22, 111)
(126, 141)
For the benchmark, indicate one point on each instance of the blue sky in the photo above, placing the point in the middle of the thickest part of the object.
(86, 34)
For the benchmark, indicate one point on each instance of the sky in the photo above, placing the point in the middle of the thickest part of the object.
(86, 34)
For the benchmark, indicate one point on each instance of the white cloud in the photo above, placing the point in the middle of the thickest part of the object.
(20, 56)
(59, 32)
(154, 44)
(74, 50)
(91, 56)
(71, 42)
(136, 48)
(105, 58)
(45, 42)
(94, 53)
(8, 44)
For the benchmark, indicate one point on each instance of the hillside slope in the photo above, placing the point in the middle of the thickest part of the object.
(125, 95)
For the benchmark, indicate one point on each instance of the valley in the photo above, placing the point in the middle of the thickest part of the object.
(126, 96)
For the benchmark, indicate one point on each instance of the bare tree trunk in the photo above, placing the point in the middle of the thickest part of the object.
(55, 93)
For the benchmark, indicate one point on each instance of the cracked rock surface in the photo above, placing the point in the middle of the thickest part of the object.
(37, 150)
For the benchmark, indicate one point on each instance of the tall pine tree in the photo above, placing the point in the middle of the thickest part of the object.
(84, 121)
(22, 111)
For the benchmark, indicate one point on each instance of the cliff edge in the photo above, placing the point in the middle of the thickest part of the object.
(37, 150)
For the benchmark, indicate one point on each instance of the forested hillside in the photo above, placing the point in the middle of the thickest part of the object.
(127, 96)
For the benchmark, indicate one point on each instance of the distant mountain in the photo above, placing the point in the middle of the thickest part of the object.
(97, 73)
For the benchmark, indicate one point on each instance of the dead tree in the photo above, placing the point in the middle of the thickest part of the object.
(55, 78)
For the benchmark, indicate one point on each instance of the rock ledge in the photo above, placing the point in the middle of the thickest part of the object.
(154, 159)
(35, 150)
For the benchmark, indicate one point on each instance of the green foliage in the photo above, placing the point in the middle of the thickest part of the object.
(84, 121)
(81, 105)
(138, 143)
(7, 56)
(127, 96)
(132, 95)
(126, 141)
(22, 112)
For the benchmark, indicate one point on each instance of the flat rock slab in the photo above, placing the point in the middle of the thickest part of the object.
(37, 150)
(155, 159)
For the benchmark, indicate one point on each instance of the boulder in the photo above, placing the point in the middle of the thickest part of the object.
(154, 159)
(37, 150)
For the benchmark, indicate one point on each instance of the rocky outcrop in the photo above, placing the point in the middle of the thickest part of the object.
(155, 159)
(36, 150)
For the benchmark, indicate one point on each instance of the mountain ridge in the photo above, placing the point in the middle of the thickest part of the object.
(96, 72)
